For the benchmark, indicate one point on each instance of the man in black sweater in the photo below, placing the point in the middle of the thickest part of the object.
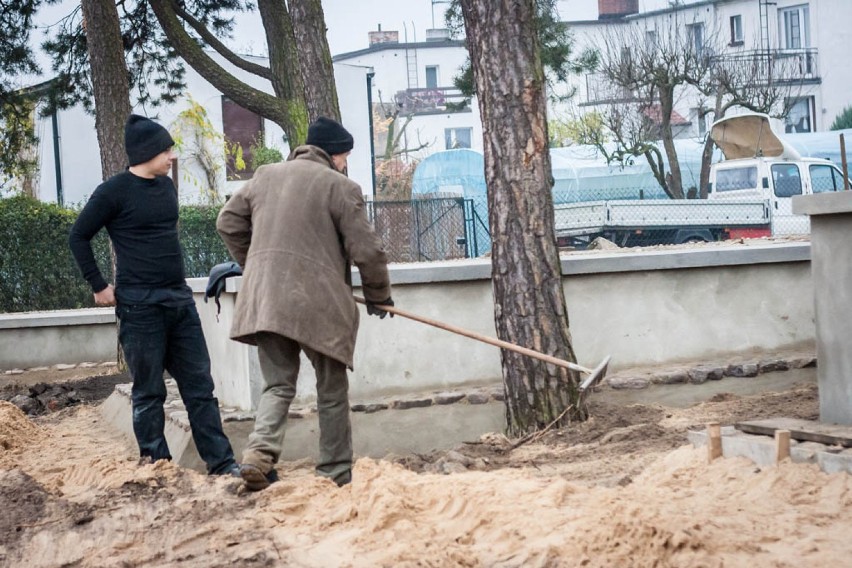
(160, 328)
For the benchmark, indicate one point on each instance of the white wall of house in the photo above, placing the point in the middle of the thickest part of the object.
(80, 157)
(825, 32)
(431, 64)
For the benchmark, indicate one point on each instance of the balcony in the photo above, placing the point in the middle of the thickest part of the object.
(600, 90)
(790, 66)
(432, 101)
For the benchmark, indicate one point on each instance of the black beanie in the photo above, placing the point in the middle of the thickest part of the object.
(144, 139)
(330, 136)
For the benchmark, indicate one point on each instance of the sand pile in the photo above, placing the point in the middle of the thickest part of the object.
(90, 505)
(16, 430)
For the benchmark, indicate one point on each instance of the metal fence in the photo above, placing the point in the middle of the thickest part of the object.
(430, 229)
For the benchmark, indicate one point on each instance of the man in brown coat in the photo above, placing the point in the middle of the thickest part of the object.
(295, 228)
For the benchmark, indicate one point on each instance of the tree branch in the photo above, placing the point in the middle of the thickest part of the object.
(244, 95)
(220, 48)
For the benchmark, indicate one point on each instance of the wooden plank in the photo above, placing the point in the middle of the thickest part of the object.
(801, 430)
(782, 445)
(714, 441)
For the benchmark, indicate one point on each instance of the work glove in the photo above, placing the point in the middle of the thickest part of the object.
(374, 308)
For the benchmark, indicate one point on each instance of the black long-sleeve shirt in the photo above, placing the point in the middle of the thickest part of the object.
(141, 218)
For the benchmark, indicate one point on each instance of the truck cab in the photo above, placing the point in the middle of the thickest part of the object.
(760, 165)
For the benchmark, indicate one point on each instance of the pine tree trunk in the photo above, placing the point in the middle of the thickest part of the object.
(314, 58)
(111, 91)
(526, 273)
(110, 84)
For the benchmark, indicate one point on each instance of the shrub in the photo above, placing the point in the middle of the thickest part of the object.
(843, 120)
(38, 272)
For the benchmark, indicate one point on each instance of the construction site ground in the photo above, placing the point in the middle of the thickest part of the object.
(621, 489)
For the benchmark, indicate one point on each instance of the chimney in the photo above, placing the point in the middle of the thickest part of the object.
(437, 34)
(383, 37)
(612, 9)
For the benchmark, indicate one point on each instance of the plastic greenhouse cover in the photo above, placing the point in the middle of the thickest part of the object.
(581, 173)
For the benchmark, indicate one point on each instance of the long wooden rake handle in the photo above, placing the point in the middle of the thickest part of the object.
(493, 341)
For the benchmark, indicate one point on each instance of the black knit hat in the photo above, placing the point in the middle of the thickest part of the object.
(144, 139)
(330, 136)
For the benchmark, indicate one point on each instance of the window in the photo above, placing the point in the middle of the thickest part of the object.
(825, 178)
(794, 27)
(787, 180)
(801, 115)
(457, 137)
(241, 127)
(732, 179)
(696, 37)
(736, 30)
(432, 77)
(650, 39)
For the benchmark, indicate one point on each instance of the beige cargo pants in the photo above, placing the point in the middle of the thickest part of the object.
(279, 364)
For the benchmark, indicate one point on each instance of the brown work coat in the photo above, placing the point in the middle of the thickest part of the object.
(295, 228)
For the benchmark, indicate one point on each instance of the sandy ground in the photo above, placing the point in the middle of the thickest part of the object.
(622, 489)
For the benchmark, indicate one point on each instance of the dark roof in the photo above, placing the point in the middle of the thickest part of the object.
(376, 47)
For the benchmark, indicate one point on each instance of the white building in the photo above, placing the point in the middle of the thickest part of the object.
(417, 77)
(808, 38)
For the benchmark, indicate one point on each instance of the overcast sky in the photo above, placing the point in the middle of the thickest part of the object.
(348, 21)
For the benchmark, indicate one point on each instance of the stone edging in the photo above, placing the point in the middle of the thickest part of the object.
(628, 379)
(62, 367)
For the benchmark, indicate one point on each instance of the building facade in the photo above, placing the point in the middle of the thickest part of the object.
(414, 81)
(800, 43)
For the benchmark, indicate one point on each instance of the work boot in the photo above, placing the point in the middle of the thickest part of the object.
(232, 471)
(255, 479)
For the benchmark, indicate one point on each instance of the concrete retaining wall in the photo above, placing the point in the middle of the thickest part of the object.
(643, 308)
(45, 338)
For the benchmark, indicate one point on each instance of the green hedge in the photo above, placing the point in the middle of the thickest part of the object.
(37, 271)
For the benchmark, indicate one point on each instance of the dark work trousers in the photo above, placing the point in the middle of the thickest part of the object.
(154, 338)
(279, 363)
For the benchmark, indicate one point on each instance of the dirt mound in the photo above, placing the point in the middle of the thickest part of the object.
(16, 430)
(36, 398)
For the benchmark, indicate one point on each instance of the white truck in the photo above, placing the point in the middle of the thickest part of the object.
(749, 196)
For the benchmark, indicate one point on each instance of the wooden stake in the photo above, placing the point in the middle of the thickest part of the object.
(782, 445)
(843, 162)
(714, 441)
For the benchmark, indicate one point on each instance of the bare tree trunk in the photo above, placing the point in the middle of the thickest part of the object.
(111, 90)
(526, 273)
(314, 58)
(666, 108)
(110, 84)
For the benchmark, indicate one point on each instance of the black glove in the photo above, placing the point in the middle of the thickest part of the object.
(374, 308)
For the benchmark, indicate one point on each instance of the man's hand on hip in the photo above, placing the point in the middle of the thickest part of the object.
(105, 297)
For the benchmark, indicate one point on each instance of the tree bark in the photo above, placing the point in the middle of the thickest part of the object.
(314, 58)
(110, 82)
(287, 80)
(526, 273)
(111, 91)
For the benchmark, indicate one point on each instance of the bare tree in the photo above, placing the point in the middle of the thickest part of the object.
(757, 81)
(652, 65)
(529, 301)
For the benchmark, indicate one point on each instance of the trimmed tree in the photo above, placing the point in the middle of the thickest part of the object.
(526, 274)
